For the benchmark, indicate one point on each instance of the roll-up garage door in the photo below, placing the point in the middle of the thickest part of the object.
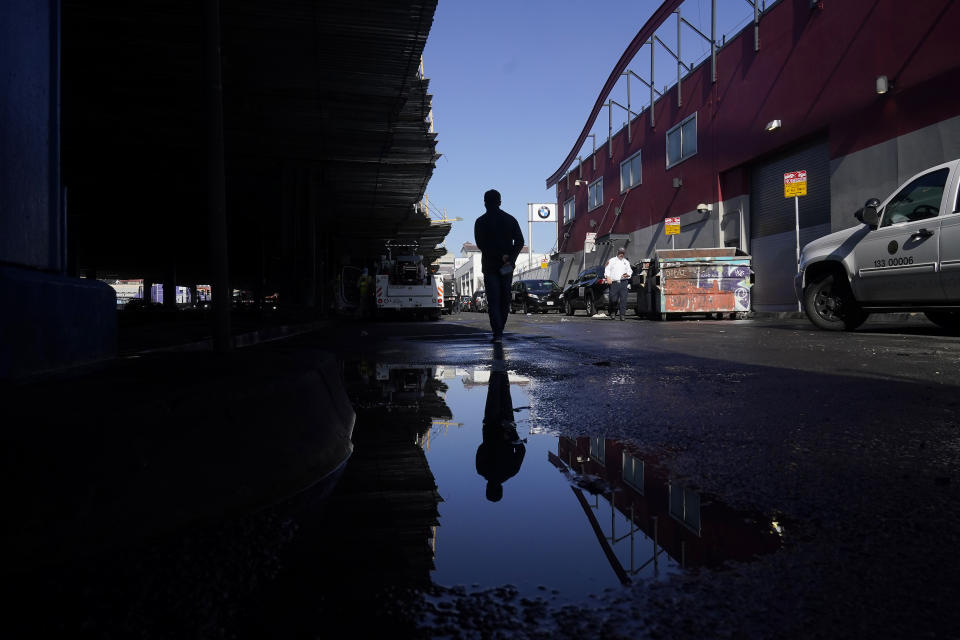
(772, 225)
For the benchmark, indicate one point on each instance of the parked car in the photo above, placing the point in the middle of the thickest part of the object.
(590, 293)
(537, 296)
(904, 257)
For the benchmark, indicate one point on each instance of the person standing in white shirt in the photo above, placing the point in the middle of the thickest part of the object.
(617, 273)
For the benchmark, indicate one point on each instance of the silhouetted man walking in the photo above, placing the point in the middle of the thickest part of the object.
(500, 240)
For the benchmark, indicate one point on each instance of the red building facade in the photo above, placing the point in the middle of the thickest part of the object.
(804, 96)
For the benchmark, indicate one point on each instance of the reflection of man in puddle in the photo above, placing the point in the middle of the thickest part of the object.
(500, 454)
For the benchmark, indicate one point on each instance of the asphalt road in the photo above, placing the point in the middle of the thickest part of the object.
(849, 439)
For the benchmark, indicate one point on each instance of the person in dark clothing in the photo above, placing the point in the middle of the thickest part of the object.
(500, 240)
(501, 453)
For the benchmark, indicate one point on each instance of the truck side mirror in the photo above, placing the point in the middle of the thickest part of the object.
(868, 215)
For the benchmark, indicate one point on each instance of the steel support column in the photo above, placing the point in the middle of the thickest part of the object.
(216, 180)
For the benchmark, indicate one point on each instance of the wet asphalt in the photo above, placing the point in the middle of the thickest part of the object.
(847, 441)
(789, 482)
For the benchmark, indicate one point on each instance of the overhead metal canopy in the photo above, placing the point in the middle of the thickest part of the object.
(328, 147)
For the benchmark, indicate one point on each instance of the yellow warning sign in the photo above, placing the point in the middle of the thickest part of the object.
(671, 226)
(794, 184)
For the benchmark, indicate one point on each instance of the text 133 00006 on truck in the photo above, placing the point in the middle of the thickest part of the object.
(904, 257)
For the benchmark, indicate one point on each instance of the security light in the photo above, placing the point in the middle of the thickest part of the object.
(883, 85)
(773, 125)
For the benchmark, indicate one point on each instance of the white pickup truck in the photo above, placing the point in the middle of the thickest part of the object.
(904, 257)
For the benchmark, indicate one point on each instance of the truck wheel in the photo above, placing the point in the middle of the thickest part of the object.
(567, 308)
(830, 305)
(949, 320)
(591, 308)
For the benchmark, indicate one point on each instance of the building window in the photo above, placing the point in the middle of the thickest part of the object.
(595, 195)
(685, 507)
(569, 211)
(632, 471)
(630, 175)
(682, 141)
(598, 450)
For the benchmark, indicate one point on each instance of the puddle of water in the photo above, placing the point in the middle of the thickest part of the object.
(410, 508)
(540, 535)
(559, 518)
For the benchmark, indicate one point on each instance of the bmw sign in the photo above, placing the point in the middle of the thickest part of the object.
(542, 212)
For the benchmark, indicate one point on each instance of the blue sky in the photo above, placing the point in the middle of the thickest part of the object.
(513, 84)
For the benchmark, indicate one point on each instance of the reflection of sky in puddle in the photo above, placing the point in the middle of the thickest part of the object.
(538, 534)
(556, 526)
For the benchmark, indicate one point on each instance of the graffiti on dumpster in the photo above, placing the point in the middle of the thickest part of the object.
(706, 272)
(706, 288)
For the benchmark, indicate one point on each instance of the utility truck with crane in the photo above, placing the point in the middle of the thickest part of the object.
(404, 283)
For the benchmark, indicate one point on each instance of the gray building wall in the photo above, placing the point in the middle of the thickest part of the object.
(877, 171)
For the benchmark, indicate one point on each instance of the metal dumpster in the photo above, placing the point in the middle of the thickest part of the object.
(712, 281)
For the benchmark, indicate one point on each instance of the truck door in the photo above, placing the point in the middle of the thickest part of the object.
(950, 239)
(898, 261)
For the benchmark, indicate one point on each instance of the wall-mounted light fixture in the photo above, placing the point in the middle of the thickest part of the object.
(677, 183)
(593, 223)
(578, 183)
(773, 125)
(883, 85)
(704, 208)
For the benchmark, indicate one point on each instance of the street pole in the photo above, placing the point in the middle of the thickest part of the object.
(530, 235)
(796, 216)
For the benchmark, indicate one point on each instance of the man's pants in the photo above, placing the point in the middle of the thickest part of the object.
(498, 299)
(618, 297)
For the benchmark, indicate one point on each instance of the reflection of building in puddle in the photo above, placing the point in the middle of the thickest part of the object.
(480, 376)
(649, 508)
(415, 389)
(386, 501)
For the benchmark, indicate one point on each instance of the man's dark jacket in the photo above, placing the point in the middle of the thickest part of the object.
(497, 234)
